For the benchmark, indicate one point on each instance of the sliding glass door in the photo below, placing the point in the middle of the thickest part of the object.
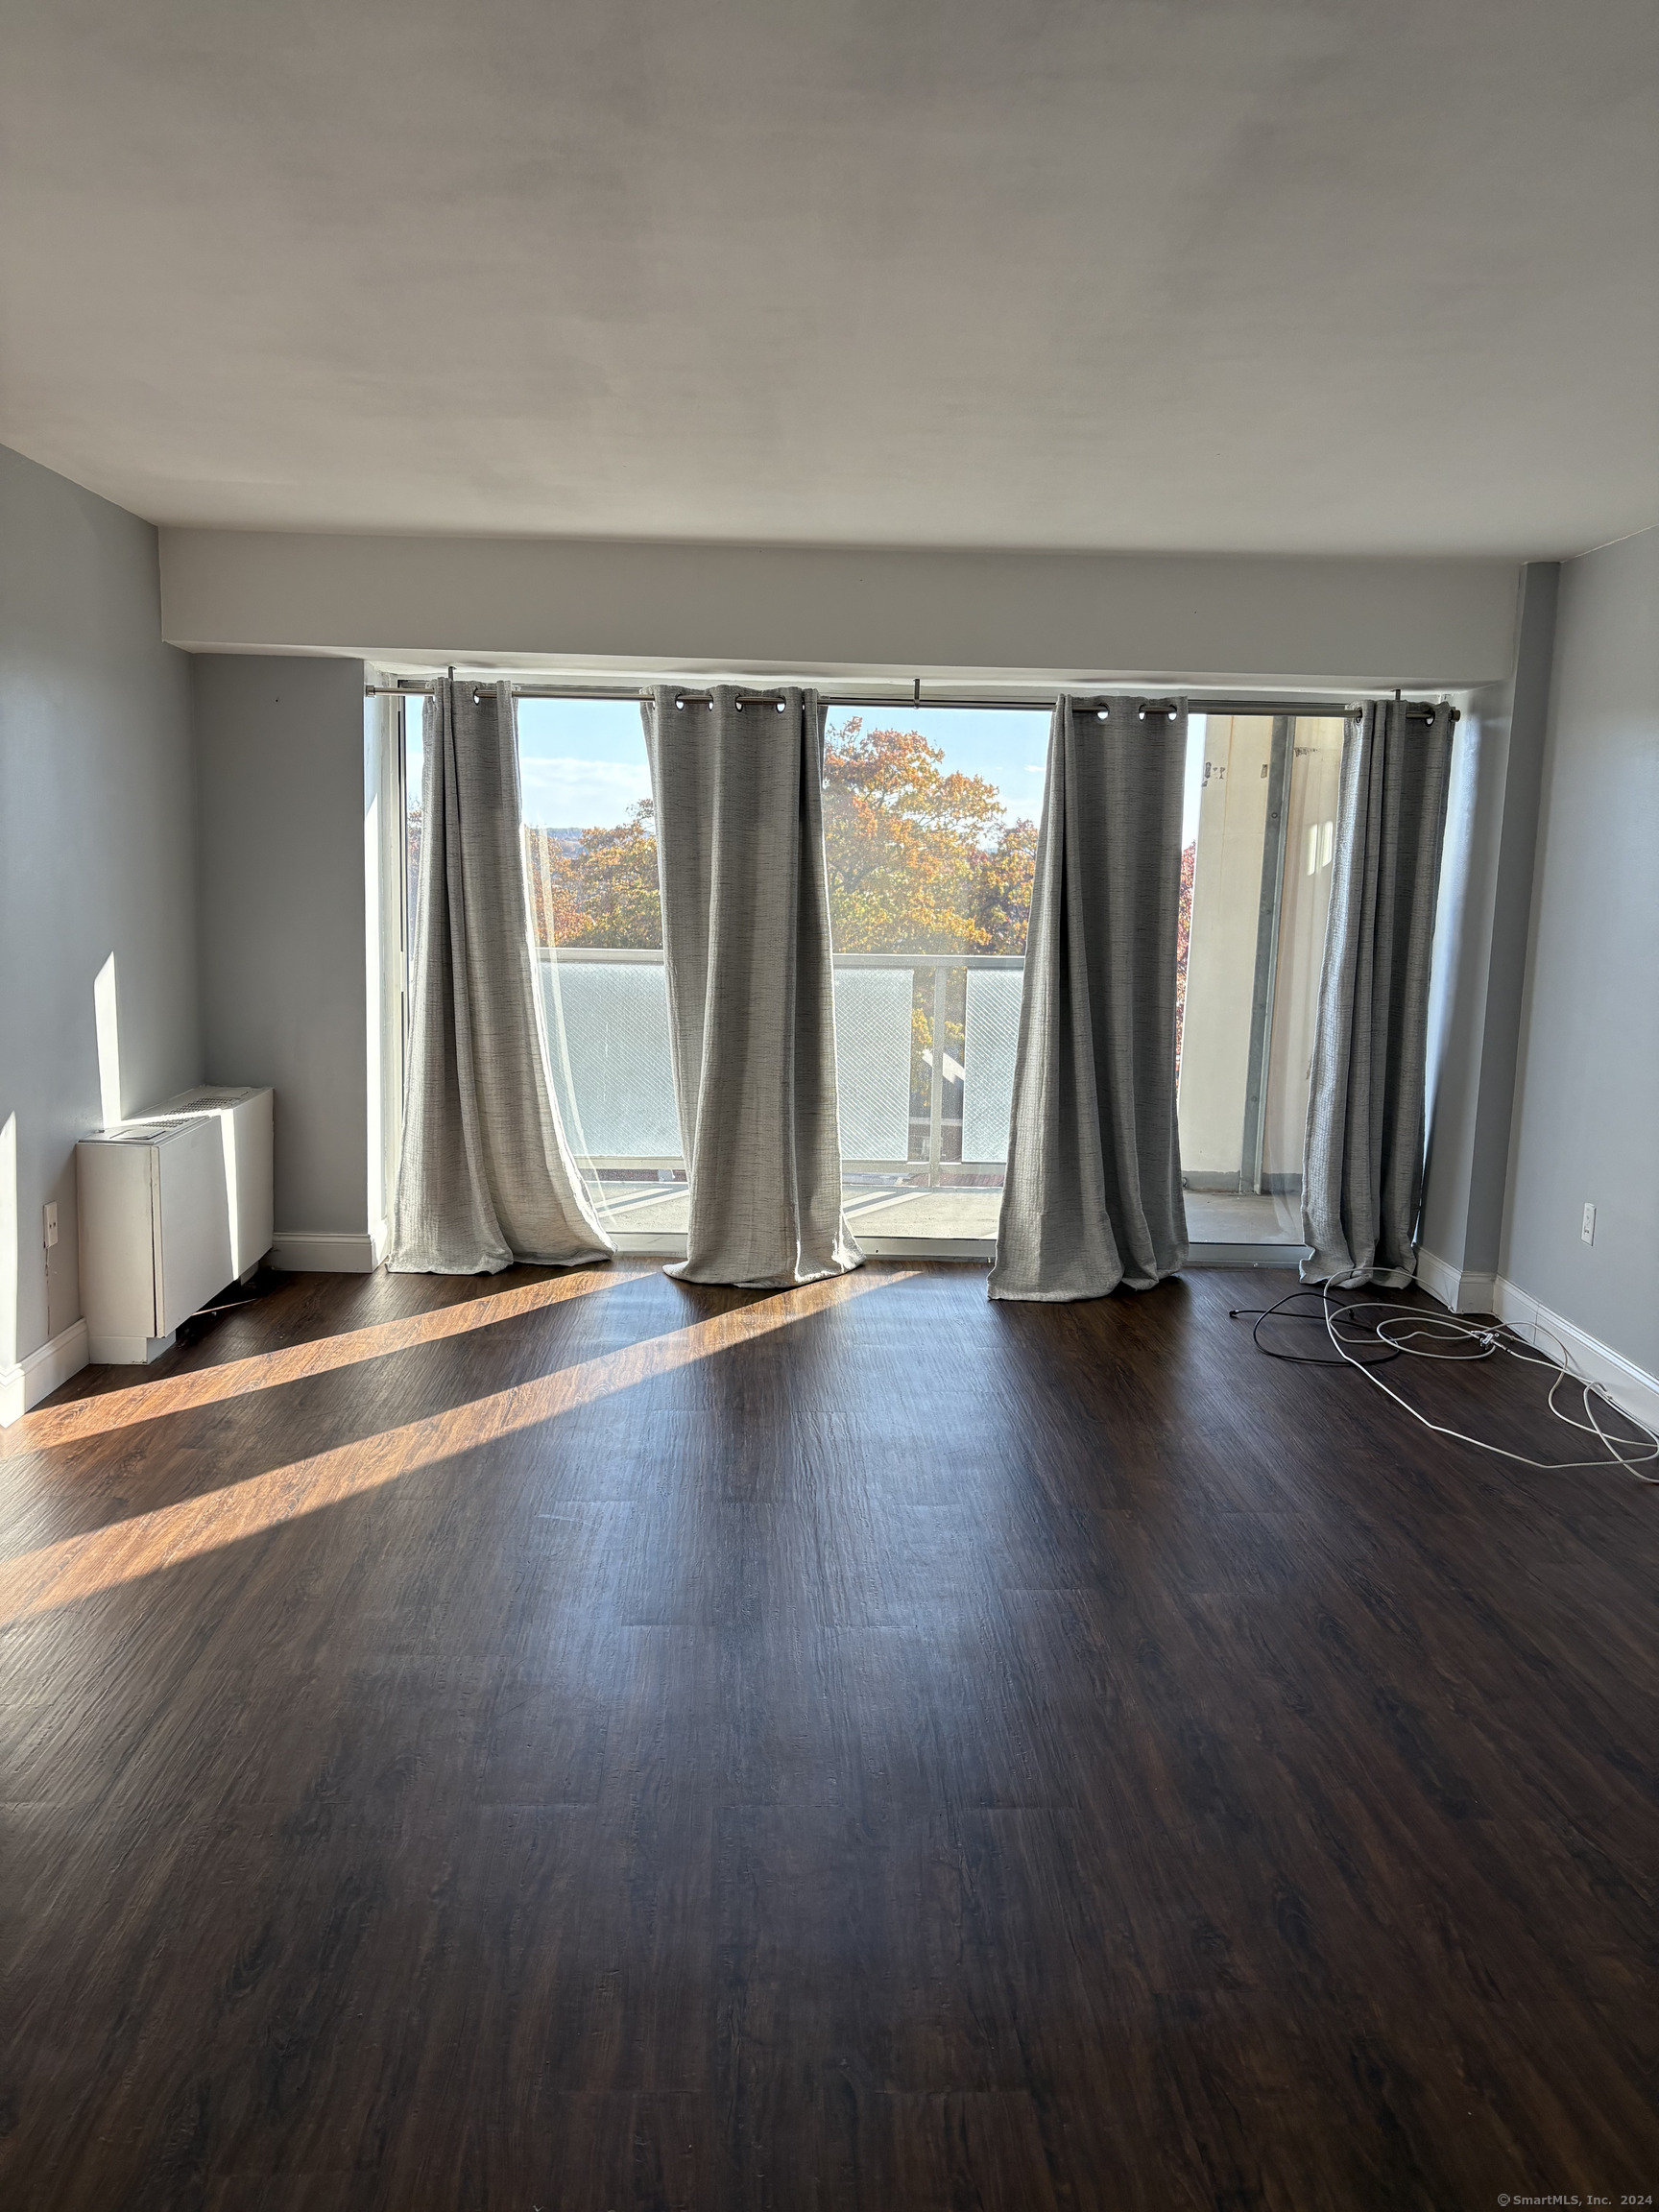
(590, 867)
(1260, 822)
(930, 831)
(930, 834)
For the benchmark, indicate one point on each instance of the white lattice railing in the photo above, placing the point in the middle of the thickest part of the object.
(607, 1014)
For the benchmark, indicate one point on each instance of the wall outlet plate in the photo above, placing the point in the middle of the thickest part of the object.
(49, 1229)
(1588, 1230)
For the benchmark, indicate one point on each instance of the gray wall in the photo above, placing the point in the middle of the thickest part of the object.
(97, 854)
(1587, 1103)
(228, 879)
(285, 996)
(829, 611)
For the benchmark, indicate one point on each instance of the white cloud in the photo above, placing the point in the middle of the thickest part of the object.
(562, 792)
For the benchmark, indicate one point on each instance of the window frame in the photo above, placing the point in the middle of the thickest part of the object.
(1285, 711)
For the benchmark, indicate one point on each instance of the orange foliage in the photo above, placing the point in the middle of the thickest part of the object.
(918, 860)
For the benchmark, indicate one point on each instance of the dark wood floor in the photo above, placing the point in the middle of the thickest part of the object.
(592, 1743)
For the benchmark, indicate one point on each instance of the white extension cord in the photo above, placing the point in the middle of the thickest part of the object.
(1408, 1332)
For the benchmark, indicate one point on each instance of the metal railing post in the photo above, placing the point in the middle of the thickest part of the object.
(1280, 768)
(936, 1095)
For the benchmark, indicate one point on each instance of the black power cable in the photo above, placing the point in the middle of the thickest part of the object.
(1416, 1332)
(1315, 1319)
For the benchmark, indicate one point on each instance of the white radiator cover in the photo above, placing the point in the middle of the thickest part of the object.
(174, 1203)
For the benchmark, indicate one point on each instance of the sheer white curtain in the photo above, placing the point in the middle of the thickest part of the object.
(739, 788)
(485, 1177)
(1093, 1196)
(1362, 1160)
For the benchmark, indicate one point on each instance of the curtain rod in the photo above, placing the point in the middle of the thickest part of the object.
(1308, 709)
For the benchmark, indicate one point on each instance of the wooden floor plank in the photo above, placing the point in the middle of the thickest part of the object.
(593, 1742)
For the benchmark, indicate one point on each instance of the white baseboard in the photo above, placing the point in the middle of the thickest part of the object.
(1626, 1383)
(327, 1251)
(37, 1374)
(129, 1350)
(1458, 1292)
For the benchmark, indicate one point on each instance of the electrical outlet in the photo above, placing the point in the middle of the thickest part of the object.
(50, 1230)
(1588, 1230)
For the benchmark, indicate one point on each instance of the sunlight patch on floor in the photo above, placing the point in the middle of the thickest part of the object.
(125, 1551)
(267, 1370)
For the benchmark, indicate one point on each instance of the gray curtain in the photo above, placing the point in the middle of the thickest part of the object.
(484, 1176)
(1363, 1159)
(739, 792)
(1093, 1191)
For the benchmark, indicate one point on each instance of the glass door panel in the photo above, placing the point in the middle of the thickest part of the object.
(1261, 827)
(1309, 840)
(591, 866)
(930, 835)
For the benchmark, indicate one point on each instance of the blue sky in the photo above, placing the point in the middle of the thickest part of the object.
(583, 760)
(1007, 747)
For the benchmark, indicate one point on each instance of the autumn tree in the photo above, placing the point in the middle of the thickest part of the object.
(599, 888)
(1003, 879)
(919, 859)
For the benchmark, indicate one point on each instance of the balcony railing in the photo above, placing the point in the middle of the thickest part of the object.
(924, 1131)
(914, 1106)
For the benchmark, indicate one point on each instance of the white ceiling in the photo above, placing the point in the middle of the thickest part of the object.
(1210, 275)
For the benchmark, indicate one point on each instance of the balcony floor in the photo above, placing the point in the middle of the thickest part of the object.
(1213, 1216)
